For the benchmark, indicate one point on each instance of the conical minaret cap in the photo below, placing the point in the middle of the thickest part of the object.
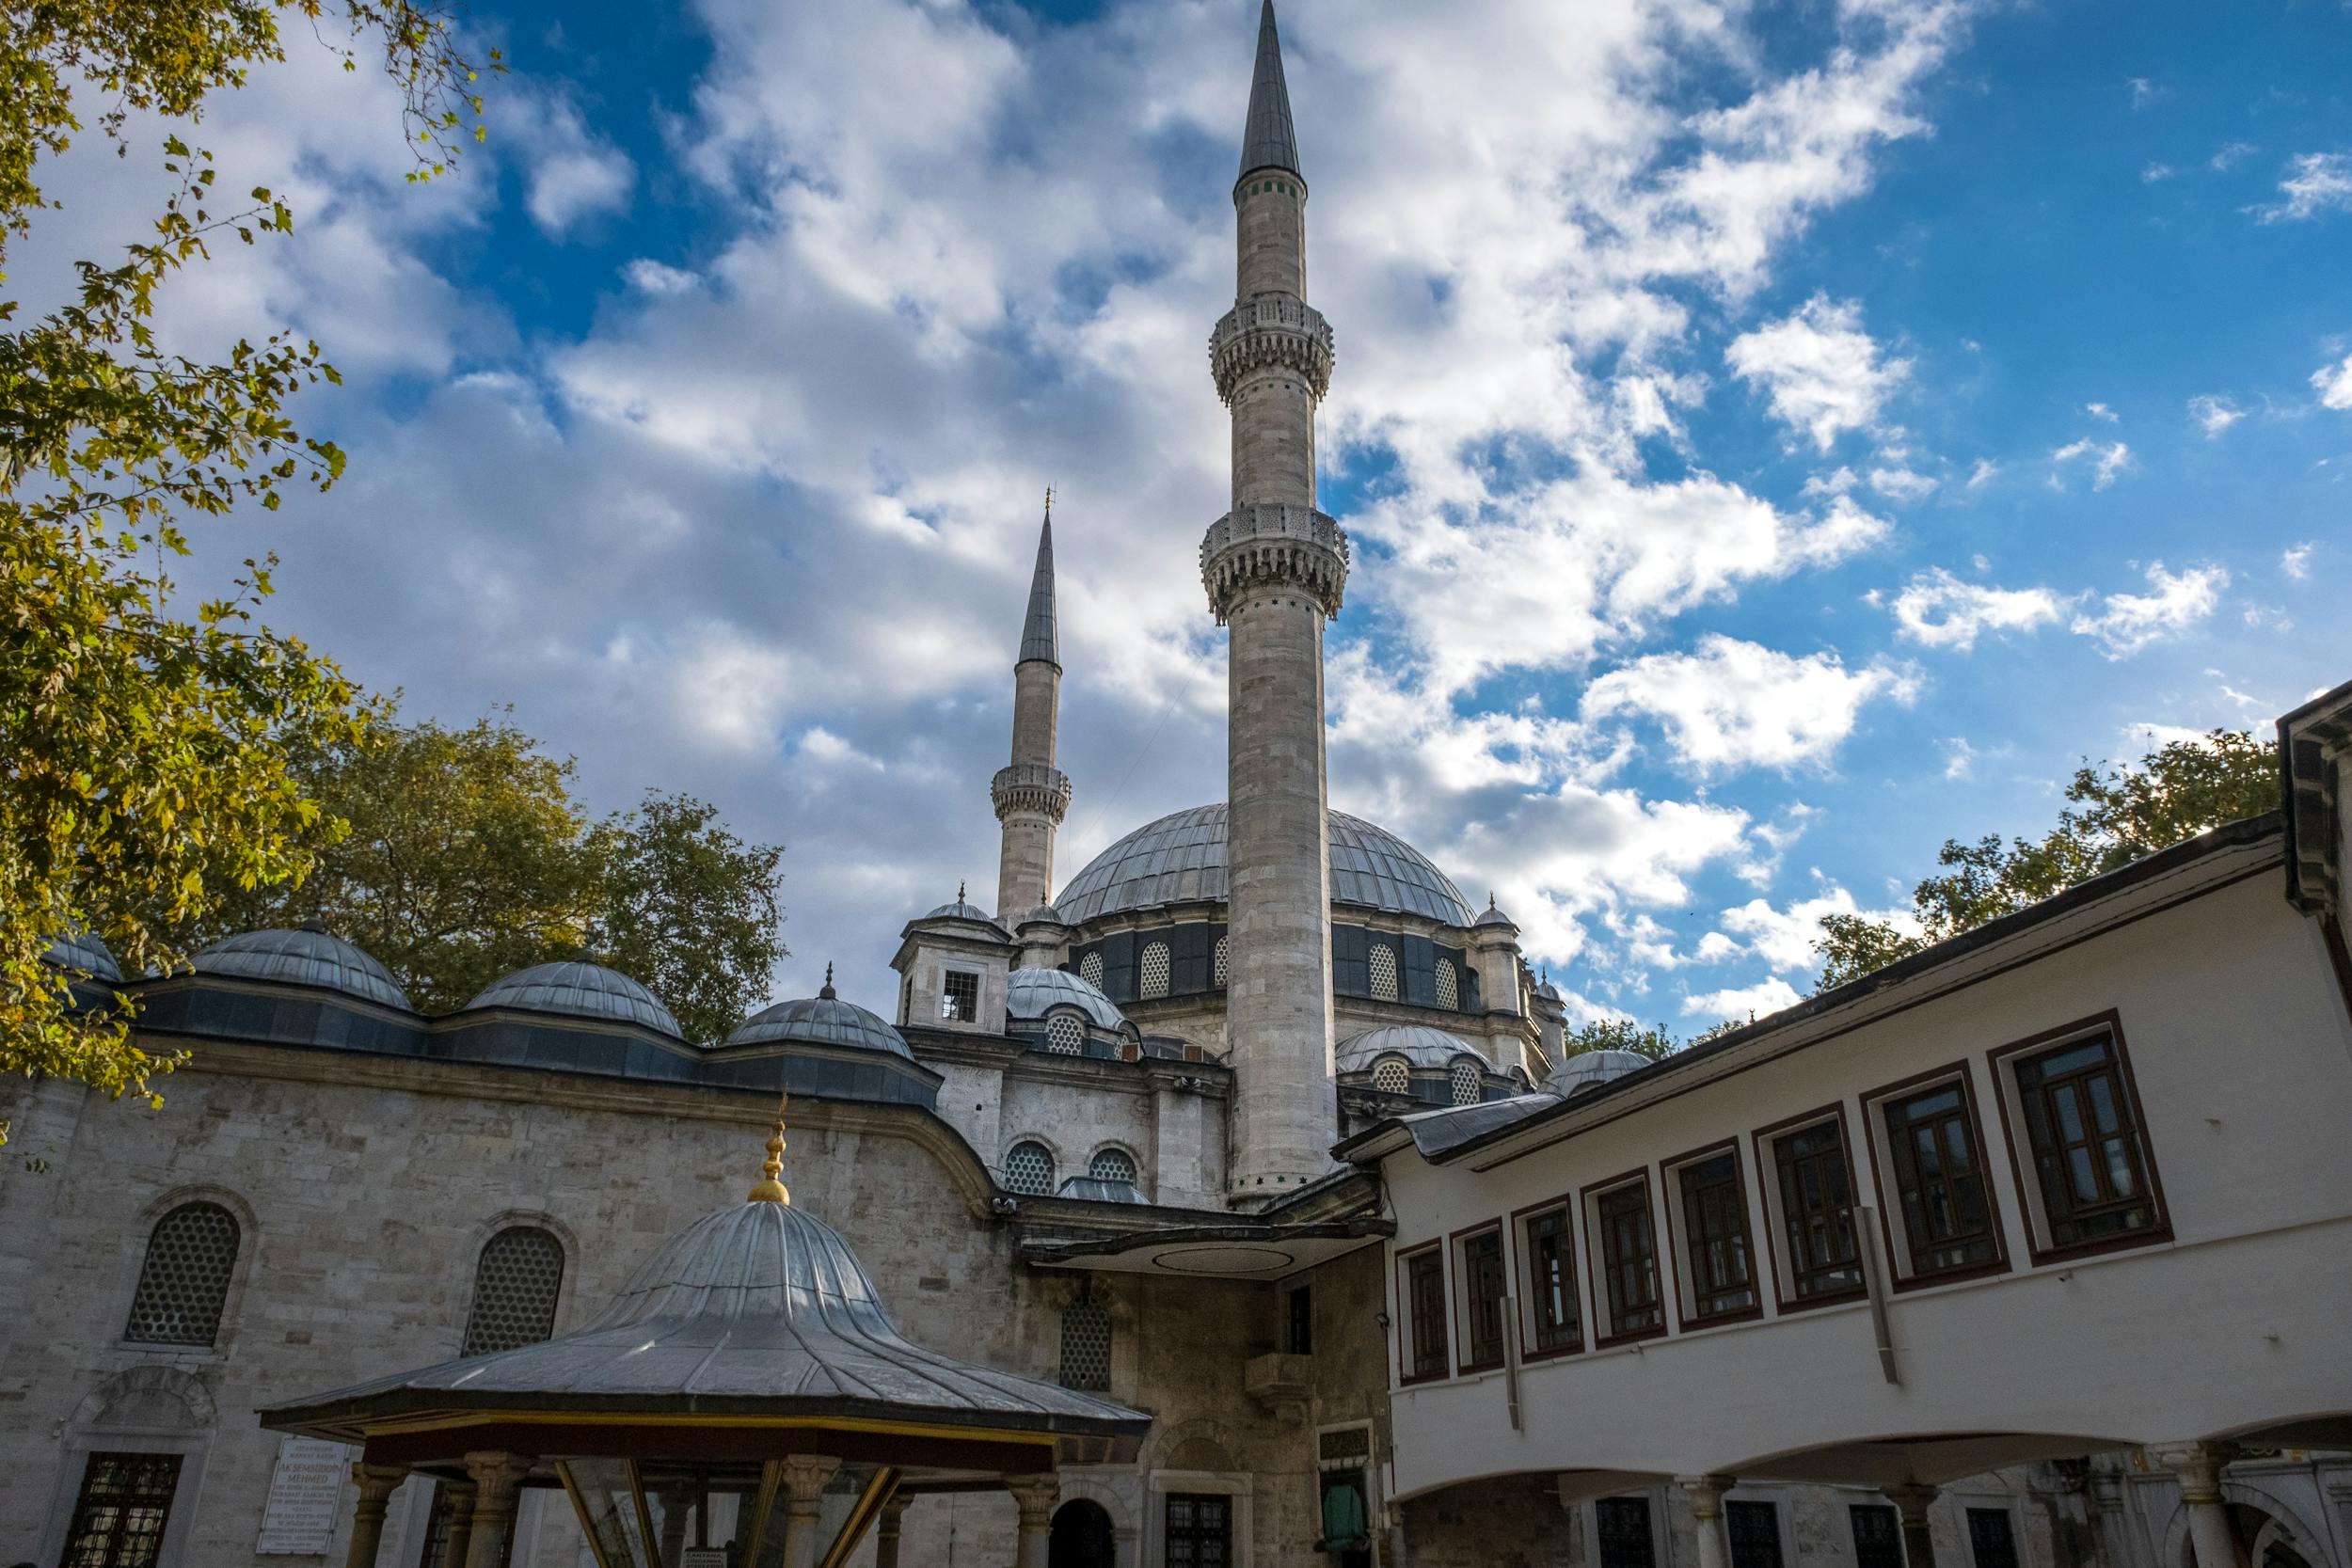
(1269, 140)
(1041, 632)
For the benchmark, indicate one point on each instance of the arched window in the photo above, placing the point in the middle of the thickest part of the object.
(516, 1282)
(1154, 967)
(1467, 1080)
(1091, 970)
(1029, 1168)
(1112, 1164)
(1390, 1075)
(191, 1254)
(1383, 972)
(1449, 986)
(1221, 963)
(1086, 1345)
(1066, 1035)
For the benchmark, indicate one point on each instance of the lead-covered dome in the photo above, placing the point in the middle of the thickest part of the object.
(303, 958)
(1179, 859)
(823, 1019)
(1590, 1069)
(82, 953)
(1418, 1044)
(1034, 992)
(583, 990)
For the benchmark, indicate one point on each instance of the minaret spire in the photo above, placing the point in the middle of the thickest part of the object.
(1274, 568)
(1031, 795)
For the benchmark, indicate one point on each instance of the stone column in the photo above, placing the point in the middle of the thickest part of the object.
(460, 1536)
(497, 1476)
(1035, 1496)
(1124, 1547)
(1911, 1499)
(887, 1526)
(376, 1484)
(1706, 1494)
(805, 1476)
(2198, 1466)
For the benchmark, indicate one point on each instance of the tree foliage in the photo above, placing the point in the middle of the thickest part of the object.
(147, 741)
(1619, 1034)
(468, 859)
(2113, 816)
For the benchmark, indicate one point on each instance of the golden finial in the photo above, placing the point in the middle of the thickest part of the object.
(1049, 504)
(771, 1189)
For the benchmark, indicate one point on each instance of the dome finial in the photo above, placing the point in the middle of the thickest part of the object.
(1490, 898)
(825, 990)
(960, 886)
(771, 1188)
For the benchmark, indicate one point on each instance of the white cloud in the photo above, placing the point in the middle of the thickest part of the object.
(1898, 483)
(2214, 415)
(1786, 937)
(1735, 705)
(1822, 372)
(2154, 172)
(2229, 153)
(1836, 482)
(2314, 183)
(1960, 758)
(1937, 609)
(655, 278)
(570, 173)
(1739, 1003)
(2333, 383)
(2296, 561)
(2101, 411)
(1983, 473)
(2144, 91)
(2107, 461)
(2126, 623)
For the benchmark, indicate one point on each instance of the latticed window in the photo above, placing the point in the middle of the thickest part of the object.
(1449, 986)
(1091, 970)
(1066, 1035)
(514, 1286)
(1029, 1168)
(119, 1517)
(1383, 972)
(1467, 1080)
(1085, 1344)
(1222, 962)
(1154, 966)
(1112, 1164)
(183, 1284)
(1390, 1075)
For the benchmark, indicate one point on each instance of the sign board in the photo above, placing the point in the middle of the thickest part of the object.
(306, 1494)
(703, 1557)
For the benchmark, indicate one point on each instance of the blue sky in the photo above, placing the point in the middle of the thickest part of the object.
(1775, 437)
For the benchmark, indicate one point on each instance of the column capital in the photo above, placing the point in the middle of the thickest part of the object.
(1035, 1496)
(496, 1475)
(1912, 1497)
(1706, 1493)
(377, 1482)
(805, 1477)
(2198, 1466)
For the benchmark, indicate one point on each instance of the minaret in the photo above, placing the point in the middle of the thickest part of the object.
(1274, 568)
(1032, 796)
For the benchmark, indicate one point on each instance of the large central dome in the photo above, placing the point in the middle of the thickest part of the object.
(1179, 859)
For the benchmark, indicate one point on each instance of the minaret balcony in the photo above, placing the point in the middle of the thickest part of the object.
(1271, 331)
(1031, 787)
(1270, 545)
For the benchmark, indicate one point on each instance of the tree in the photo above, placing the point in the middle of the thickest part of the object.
(1619, 1034)
(148, 743)
(468, 859)
(2114, 816)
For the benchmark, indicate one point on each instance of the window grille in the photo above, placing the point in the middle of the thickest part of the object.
(1200, 1529)
(1086, 1345)
(1715, 1212)
(1112, 1164)
(1065, 1035)
(1091, 970)
(960, 995)
(1390, 1076)
(183, 1284)
(1029, 1168)
(1223, 962)
(1383, 972)
(119, 1517)
(1628, 1254)
(1449, 988)
(1155, 970)
(514, 1285)
(1465, 1080)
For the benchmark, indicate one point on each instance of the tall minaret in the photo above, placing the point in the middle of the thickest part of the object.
(1274, 567)
(1032, 796)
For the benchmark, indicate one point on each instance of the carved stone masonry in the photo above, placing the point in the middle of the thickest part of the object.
(1271, 545)
(1271, 332)
(1032, 787)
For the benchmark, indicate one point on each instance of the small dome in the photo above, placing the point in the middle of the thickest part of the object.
(1545, 988)
(1032, 994)
(1044, 914)
(1589, 1070)
(304, 958)
(823, 1019)
(1417, 1043)
(582, 990)
(1493, 916)
(82, 951)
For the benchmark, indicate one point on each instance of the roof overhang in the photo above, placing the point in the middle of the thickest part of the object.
(1232, 1250)
(2313, 743)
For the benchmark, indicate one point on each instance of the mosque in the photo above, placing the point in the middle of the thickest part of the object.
(1232, 1206)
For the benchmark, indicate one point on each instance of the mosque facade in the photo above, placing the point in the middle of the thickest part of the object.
(1257, 1137)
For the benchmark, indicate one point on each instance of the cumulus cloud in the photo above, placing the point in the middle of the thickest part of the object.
(2126, 623)
(2314, 183)
(1739, 1003)
(2214, 415)
(2106, 462)
(1785, 935)
(1731, 704)
(1937, 609)
(2101, 411)
(2296, 560)
(1819, 369)
(657, 278)
(2333, 383)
